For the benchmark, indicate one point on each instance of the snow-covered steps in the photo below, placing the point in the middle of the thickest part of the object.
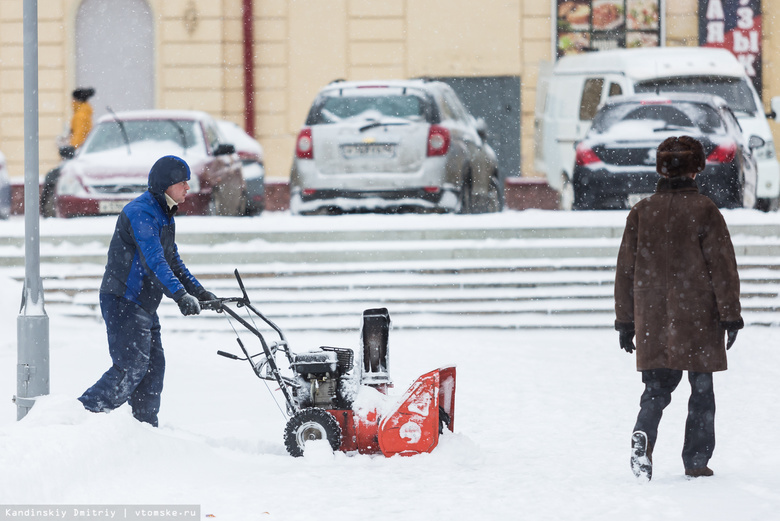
(521, 294)
(514, 270)
(282, 238)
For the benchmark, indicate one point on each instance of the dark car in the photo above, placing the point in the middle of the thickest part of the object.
(615, 163)
(393, 146)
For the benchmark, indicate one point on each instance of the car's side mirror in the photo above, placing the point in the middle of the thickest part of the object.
(756, 142)
(482, 129)
(224, 149)
(67, 152)
(774, 104)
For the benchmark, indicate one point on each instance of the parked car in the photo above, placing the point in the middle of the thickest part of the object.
(569, 94)
(5, 189)
(615, 163)
(112, 167)
(394, 146)
(252, 166)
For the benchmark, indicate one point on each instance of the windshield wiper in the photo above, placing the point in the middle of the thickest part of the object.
(672, 127)
(121, 128)
(375, 124)
(181, 133)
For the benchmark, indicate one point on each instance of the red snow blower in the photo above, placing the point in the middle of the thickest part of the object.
(329, 396)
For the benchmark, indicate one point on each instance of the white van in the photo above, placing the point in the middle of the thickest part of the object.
(569, 94)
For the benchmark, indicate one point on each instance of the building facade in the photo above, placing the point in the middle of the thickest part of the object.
(259, 63)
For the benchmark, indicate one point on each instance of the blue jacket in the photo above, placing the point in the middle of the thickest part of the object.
(143, 260)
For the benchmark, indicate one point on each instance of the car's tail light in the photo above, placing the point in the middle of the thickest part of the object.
(586, 156)
(438, 141)
(723, 153)
(309, 191)
(304, 146)
(431, 189)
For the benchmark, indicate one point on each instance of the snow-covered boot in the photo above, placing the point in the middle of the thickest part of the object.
(641, 457)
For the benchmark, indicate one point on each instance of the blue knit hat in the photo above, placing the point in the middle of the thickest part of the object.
(167, 171)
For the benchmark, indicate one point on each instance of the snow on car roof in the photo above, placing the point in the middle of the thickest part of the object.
(664, 97)
(400, 84)
(156, 114)
(654, 62)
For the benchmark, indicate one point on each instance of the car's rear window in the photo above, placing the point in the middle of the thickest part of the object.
(735, 91)
(332, 109)
(665, 115)
(110, 134)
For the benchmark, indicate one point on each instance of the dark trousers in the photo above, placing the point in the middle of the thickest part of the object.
(136, 375)
(700, 425)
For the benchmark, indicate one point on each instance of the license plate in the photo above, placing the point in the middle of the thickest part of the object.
(635, 198)
(111, 206)
(378, 150)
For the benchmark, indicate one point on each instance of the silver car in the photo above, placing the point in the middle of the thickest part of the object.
(403, 145)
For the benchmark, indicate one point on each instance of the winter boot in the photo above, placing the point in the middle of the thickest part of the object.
(703, 472)
(641, 456)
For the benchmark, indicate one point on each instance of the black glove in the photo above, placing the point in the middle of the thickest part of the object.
(732, 337)
(627, 341)
(732, 327)
(626, 330)
(188, 305)
(206, 295)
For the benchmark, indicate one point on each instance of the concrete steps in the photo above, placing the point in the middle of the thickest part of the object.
(518, 270)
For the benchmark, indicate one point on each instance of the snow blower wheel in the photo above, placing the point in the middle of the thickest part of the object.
(311, 424)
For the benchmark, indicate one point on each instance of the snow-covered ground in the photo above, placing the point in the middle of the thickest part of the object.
(543, 420)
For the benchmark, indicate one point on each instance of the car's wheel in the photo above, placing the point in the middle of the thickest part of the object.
(465, 197)
(309, 425)
(243, 203)
(495, 198)
(226, 202)
(766, 204)
(48, 200)
(566, 201)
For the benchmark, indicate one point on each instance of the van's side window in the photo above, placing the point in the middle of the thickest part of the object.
(615, 89)
(591, 96)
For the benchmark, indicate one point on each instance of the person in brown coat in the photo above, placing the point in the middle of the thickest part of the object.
(677, 289)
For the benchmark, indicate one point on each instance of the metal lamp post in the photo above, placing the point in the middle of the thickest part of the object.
(32, 325)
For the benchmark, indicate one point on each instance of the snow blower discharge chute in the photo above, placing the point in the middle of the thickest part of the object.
(331, 396)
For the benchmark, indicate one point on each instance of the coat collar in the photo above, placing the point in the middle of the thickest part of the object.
(161, 200)
(669, 184)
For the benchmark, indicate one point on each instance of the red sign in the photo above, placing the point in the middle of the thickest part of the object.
(734, 25)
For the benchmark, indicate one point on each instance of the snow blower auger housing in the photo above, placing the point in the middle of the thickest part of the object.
(329, 395)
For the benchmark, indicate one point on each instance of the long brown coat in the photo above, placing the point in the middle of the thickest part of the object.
(677, 279)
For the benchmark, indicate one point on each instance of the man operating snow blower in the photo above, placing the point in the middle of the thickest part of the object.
(143, 264)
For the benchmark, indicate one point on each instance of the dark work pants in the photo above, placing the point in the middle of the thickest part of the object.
(139, 362)
(700, 425)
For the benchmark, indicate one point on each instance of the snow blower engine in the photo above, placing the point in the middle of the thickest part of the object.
(329, 395)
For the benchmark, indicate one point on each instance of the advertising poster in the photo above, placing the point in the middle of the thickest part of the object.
(734, 25)
(595, 25)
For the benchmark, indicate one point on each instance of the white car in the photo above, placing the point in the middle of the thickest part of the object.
(393, 146)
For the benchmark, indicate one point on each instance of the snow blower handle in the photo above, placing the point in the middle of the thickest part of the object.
(214, 305)
(228, 355)
(241, 285)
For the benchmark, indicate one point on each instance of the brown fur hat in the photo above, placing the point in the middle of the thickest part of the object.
(678, 156)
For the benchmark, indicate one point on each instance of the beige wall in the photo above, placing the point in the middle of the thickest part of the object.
(299, 47)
